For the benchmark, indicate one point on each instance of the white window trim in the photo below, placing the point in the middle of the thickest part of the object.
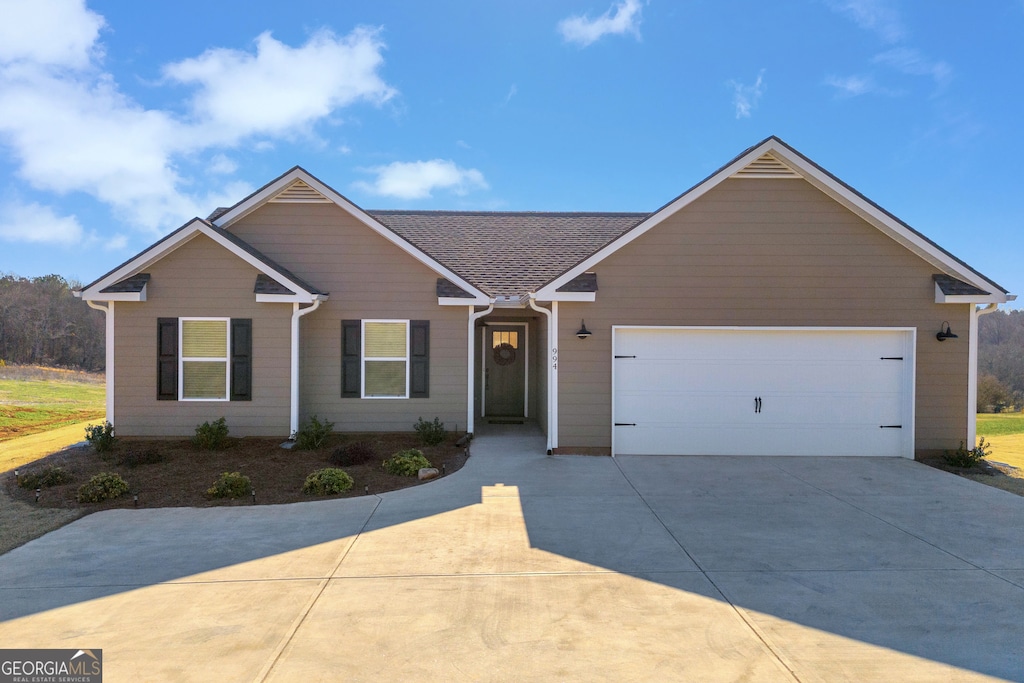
(181, 360)
(363, 358)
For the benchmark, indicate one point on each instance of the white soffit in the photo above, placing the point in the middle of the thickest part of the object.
(300, 193)
(766, 166)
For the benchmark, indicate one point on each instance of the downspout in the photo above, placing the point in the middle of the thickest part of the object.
(108, 313)
(470, 375)
(552, 316)
(972, 376)
(296, 314)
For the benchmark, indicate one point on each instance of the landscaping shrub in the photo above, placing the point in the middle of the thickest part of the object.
(431, 433)
(968, 457)
(328, 481)
(49, 476)
(406, 463)
(354, 453)
(313, 434)
(230, 485)
(136, 456)
(101, 487)
(211, 436)
(100, 437)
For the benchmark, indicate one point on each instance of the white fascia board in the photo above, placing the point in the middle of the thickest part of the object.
(271, 190)
(909, 239)
(141, 262)
(998, 298)
(569, 296)
(462, 301)
(125, 296)
(301, 298)
(820, 179)
(549, 292)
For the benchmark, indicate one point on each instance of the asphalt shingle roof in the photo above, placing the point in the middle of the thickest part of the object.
(951, 286)
(508, 253)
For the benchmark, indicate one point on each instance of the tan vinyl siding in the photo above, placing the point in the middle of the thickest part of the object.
(200, 279)
(368, 278)
(756, 252)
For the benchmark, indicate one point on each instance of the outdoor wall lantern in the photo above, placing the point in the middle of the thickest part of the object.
(945, 334)
(583, 332)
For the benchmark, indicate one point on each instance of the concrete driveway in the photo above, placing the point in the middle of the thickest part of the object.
(525, 567)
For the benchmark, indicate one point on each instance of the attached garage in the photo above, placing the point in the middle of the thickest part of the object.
(763, 391)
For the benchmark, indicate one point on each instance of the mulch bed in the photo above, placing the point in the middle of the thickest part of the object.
(181, 474)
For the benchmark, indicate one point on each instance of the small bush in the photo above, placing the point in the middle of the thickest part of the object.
(211, 436)
(431, 433)
(313, 434)
(136, 456)
(354, 453)
(49, 476)
(103, 486)
(406, 463)
(230, 485)
(100, 437)
(326, 482)
(968, 457)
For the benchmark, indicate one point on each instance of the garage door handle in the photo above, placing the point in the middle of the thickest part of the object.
(890, 426)
(625, 424)
(625, 356)
(757, 404)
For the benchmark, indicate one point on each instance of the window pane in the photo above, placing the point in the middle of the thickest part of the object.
(204, 338)
(204, 379)
(385, 378)
(385, 340)
(510, 337)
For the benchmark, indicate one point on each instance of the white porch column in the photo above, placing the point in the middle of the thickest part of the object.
(108, 313)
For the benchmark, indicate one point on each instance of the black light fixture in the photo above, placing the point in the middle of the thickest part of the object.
(946, 333)
(583, 332)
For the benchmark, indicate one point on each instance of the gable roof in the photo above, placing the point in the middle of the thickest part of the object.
(508, 254)
(128, 280)
(773, 158)
(300, 186)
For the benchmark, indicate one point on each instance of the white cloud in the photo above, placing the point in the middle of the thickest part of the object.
(851, 86)
(873, 15)
(69, 128)
(281, 88)
(418, 179)
(583, 31)
(511, 93)
(913, 63)
(38, 224)
(52, 32)
(746, 97)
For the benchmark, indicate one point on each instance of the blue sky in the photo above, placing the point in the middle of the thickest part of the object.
(121, 120)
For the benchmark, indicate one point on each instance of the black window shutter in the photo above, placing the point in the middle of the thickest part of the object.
(167, 359)
(241, 359)
(419, 359)
(351, 350)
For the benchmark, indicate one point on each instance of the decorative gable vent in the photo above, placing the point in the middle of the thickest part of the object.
(766, 166)
(300, 193)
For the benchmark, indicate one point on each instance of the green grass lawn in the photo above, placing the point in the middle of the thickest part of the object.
(34, 400)
(1000, 424)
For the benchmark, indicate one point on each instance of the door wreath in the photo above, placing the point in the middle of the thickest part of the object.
(504, 354)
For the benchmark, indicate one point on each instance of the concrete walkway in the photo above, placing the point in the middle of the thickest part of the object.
(526, 567)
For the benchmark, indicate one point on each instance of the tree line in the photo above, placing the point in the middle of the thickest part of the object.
(1001, 361)
(42, 323)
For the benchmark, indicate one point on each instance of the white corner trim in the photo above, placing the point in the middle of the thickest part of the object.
(263, 196)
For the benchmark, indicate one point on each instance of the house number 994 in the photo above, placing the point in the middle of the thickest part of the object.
(554, 358)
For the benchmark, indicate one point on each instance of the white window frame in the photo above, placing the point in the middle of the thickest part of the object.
(363, 358)
(181, 359)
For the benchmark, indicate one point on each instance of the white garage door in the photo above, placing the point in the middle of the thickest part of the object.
(758, 391)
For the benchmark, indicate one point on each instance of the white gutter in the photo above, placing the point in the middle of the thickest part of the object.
(972, 373)
(108, 313)
(474, 315)
(552, 316)
(296, 314)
